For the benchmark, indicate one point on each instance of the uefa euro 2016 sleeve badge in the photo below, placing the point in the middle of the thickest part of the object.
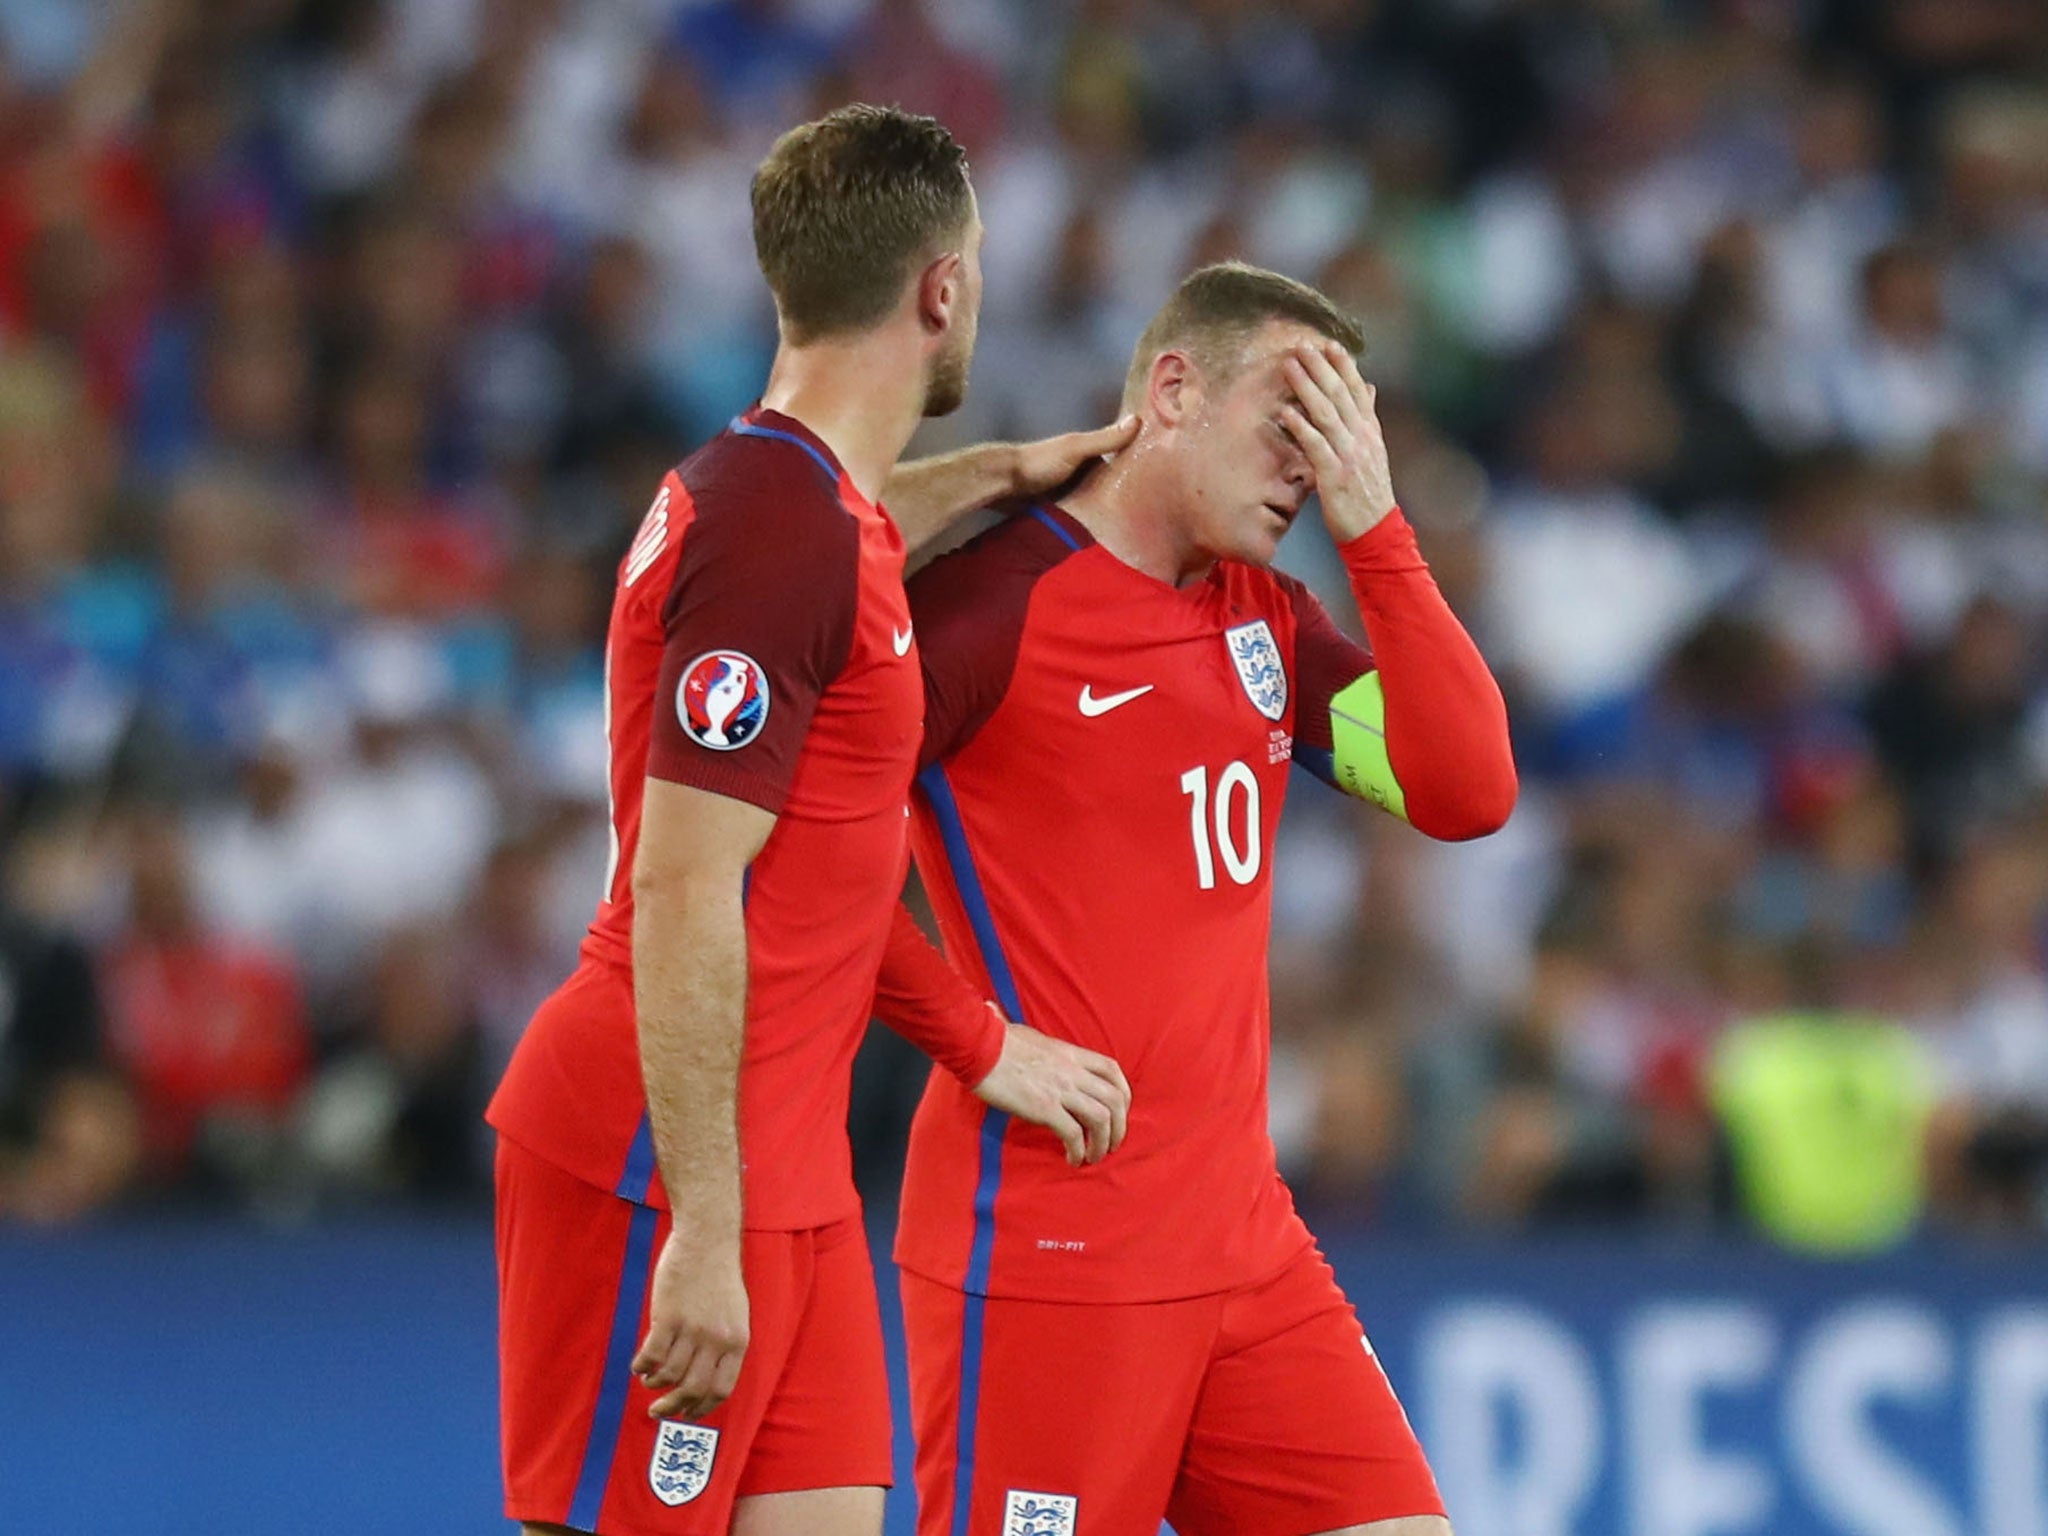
(722, 701)
(1256, 655)
(1039, 1514)
(681, 1468)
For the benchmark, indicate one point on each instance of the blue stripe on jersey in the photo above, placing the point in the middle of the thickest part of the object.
(961, 859)
(638, 1179)
(1053, 523)
(610, 1416)
(744, 428)
(994, 1123)
(981, 1255)
(968, 883)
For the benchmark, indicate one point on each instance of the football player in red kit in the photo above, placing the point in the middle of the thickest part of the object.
(689, 1337)
(1116, 688)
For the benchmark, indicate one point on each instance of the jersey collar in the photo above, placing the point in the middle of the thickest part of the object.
(1069, 529)
(759, 421)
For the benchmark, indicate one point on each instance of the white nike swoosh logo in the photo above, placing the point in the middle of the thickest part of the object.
(1092, 706)
(902, 639)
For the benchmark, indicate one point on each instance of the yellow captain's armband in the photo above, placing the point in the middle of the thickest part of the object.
(1358, 745)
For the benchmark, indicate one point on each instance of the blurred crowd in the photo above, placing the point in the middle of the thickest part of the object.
(342, 343)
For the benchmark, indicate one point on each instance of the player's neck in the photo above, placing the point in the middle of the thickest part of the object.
(1129, 506)
(839, 391)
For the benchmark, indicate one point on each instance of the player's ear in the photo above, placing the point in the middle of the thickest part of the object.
(1170, 387)
(940, 289)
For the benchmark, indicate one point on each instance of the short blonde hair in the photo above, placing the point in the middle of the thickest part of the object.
(845, 208)
(1215, 312)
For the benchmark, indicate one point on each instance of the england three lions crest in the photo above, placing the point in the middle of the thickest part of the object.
(1256, 655)
(681, 1468)
(1039, 1514)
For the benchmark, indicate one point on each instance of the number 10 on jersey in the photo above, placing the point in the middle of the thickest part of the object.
(1235, 832)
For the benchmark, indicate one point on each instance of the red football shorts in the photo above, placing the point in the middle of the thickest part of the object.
(1257, 1412)
(575, 1264)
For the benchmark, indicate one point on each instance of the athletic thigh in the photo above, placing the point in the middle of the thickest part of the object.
(1049, 1418)
(1297, 1430)
(811, 1512)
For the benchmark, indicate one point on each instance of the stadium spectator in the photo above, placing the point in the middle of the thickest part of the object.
(1986, 1021)
(68, 1135)
(1712, 342)
(397, 1108)
(211, 1032)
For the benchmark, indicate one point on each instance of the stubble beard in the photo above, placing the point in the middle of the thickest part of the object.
(945, 387)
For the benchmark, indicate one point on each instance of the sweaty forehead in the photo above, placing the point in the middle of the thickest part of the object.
(1257, 364)
(1274, 339)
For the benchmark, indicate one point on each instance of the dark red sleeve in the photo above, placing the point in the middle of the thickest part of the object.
(929, 1004)
(969, 607)
(758, 622)
(1447, 726)
(1326, 662)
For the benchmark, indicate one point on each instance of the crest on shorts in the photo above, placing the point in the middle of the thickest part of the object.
(1256, 655)
(722, 700)
(681, 1467)
(1039, 1514)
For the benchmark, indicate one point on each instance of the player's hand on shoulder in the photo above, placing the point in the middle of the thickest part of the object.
(697, 1328)
(1333, 420)
(1046, 468)
(1079, 1095)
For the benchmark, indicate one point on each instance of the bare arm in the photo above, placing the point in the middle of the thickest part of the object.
(926, 495)
(690, 995)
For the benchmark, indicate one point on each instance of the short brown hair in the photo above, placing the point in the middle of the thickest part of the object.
(845, 206)
(1216, 311)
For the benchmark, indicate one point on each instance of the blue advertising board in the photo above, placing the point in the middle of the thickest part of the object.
(1592, 1388)
(207, 1378)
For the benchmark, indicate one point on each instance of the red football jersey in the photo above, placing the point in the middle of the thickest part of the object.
(1106, 758)
(761, 648)
(1109, 758)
